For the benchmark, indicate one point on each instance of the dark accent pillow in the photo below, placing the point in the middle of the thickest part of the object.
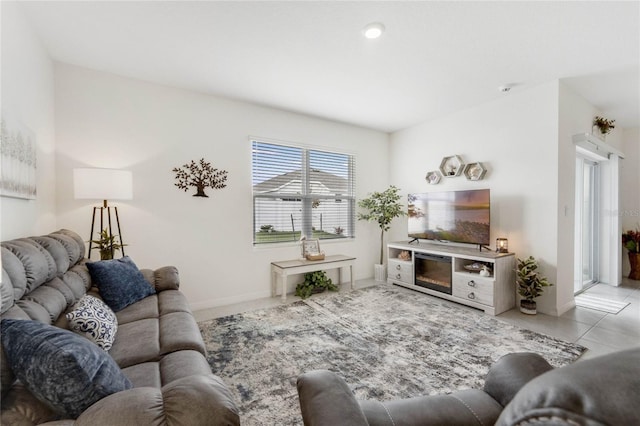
(62, 369)
(120, 282)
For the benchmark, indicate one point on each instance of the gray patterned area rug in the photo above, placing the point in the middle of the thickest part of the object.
(386, 342)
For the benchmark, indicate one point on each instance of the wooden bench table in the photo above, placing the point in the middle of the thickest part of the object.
(285, 268)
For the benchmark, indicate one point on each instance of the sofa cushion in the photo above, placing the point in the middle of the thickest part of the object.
(21, 407)
(144, 309)
(120, 282)
(136, 342)
(59, 367)
(91, 318)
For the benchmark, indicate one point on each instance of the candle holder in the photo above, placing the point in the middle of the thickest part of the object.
(502, 245)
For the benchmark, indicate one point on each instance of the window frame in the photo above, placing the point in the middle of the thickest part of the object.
(306, 198)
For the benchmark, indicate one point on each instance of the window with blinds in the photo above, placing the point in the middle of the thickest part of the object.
(299, 191)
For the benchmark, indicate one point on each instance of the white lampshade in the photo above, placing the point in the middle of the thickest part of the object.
(102, 184)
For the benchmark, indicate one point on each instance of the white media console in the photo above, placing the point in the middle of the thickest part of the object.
(452, 273)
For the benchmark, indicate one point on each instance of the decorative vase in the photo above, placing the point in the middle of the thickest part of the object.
(380, 272)
(634, 261)
(528, 307)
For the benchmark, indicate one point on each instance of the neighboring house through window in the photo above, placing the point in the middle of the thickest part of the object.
(301, 191)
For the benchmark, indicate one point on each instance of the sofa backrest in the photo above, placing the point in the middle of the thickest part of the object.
(41, 278)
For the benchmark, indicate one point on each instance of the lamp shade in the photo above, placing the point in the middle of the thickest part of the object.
(102, 184)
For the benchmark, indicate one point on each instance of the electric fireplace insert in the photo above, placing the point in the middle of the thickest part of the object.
(433, 272)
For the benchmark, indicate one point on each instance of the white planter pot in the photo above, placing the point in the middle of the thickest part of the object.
(380, 273)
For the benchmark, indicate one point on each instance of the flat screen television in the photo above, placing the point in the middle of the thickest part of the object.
(454, 216)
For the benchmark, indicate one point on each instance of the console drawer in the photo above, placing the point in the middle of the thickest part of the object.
(400, 271)
(473, 288)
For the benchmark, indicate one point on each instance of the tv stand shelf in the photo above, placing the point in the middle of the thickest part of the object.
(493, 294)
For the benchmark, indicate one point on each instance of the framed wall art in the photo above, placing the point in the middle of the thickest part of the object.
(310, 247)
(18, 158)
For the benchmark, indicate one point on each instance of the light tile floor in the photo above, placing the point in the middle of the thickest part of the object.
(600, 332)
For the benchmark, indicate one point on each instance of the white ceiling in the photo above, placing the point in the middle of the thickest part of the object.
(434, 58)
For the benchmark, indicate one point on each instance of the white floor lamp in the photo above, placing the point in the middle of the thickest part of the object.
(103, 184)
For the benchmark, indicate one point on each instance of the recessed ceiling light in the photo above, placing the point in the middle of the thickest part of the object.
(373, 30)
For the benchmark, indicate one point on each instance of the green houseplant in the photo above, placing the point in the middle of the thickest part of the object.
(604, 125)
(382, 208)
(107, 244)
(530, 284)
(631, 241)
(315, 282)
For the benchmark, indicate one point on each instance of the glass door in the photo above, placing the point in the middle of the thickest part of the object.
(586, 224)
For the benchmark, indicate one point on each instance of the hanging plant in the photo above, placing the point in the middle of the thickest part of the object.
(200, 175)
(604, 125)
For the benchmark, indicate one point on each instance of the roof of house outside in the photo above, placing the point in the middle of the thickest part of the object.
(290, 183)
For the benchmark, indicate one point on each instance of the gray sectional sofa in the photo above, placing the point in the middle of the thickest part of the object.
(521, 389)
(157, 347)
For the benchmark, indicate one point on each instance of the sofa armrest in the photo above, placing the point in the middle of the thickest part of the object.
(461, 408)
(165, 278)
(511, 372)
(326, 400)
(192, 400)
(597, 391)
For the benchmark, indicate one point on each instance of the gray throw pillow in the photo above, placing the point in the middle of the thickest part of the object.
(60, 368)
(120, 282)
(93, 319)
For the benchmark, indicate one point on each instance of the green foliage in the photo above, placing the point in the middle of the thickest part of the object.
(631, 240)
(529, 280)
(382, 208)
(603, 124)
(274, 236)
(315, 282)
(267, 228)
(107, 244)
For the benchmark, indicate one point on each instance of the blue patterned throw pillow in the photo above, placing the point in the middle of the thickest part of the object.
(92, 318)
(120, 282)
(60, 368)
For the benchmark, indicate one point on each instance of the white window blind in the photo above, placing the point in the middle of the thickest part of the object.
(299, 191)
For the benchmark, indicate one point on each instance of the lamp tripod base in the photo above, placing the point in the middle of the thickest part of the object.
(93, 222)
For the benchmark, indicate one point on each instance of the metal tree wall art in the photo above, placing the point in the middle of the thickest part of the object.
(200, 175)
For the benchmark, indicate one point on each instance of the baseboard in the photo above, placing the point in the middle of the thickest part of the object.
(566, 307)
(224, 301)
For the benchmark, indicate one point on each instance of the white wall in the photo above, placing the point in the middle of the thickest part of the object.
(630, 182)
(516, 137)
(575, 116)
(525, 140)
(27, 96)
(103, 120)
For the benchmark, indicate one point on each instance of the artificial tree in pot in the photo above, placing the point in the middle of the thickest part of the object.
(530, 284)
(382, 208)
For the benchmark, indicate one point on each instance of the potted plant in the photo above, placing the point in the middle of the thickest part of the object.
(631, 241)
(107, 244)
(315, 282)
(382, 208)
(604, 125)
(530, 284)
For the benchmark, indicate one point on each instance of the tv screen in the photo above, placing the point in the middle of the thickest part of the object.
(456, 216)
